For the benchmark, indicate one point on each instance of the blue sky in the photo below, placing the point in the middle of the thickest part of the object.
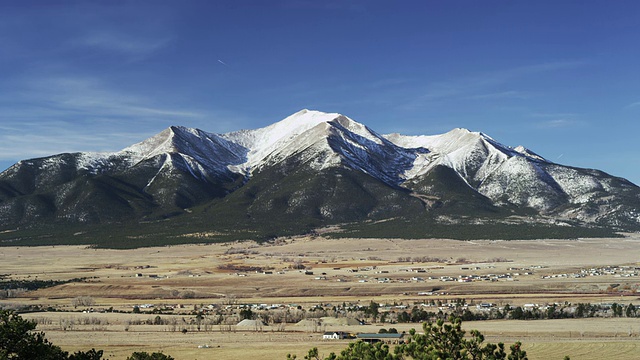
(559, 77)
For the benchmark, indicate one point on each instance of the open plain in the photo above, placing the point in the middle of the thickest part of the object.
(302, 274)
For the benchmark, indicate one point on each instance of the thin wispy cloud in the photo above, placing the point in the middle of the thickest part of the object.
(441, 92)
(90, 97)
(557, 123)
(542, 67)
(390, 82)
(485, 85)
(328, 5)
(46, 116)
(68, 114)
(120, 43)
(501, 95)
(556, 120)
(44, 139)
(553, 115)
(633, 105)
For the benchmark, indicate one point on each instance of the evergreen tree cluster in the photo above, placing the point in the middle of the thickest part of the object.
(440, 341)
(19, 341)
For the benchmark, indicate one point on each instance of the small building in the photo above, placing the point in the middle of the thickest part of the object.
(387, 338)
(251, 324)
(335, 335)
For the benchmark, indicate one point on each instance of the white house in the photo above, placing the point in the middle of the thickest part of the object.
(334, 335)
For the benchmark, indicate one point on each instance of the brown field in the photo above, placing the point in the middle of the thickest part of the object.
(217, 274)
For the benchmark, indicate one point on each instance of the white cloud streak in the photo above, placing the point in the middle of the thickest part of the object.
(46, 116)
(556, 120)
(37, 139)
(553, 115)
(110, 41)
(511, 94)
(77, 96)
(633, 105)
(557, 123)
(69, 114)
(485, 85)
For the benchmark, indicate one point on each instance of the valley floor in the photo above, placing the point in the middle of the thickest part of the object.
(307, 272)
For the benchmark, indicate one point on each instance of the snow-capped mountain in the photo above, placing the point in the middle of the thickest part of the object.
(318, 169)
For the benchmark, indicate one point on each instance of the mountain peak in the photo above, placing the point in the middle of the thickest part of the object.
(526, 152)
(262, 142)
(157, 144)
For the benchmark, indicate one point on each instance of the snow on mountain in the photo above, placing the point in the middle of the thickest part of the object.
(264, 141)
(522, 182)
(505, 175)
(473, 155)
(528, 153)
(502, 173)
(324, 140)
(210, 150)
(203, 155)
(365, 150)
(580, 187)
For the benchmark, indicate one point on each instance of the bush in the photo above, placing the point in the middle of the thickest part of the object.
(146, 356)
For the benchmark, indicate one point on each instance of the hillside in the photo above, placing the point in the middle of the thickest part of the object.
(304, 173)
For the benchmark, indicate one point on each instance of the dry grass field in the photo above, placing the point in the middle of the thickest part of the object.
(346, 270)
(587, 339)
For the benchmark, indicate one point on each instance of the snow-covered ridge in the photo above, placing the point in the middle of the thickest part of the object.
(331, 137)
(474, 155)
(267, 140)
(455, 140)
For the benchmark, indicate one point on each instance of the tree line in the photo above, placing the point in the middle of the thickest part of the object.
(581, 310)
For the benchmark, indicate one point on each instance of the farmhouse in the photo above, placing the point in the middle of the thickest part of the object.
(335, 335)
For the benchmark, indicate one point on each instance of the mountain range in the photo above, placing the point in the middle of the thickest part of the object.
(311, 172)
